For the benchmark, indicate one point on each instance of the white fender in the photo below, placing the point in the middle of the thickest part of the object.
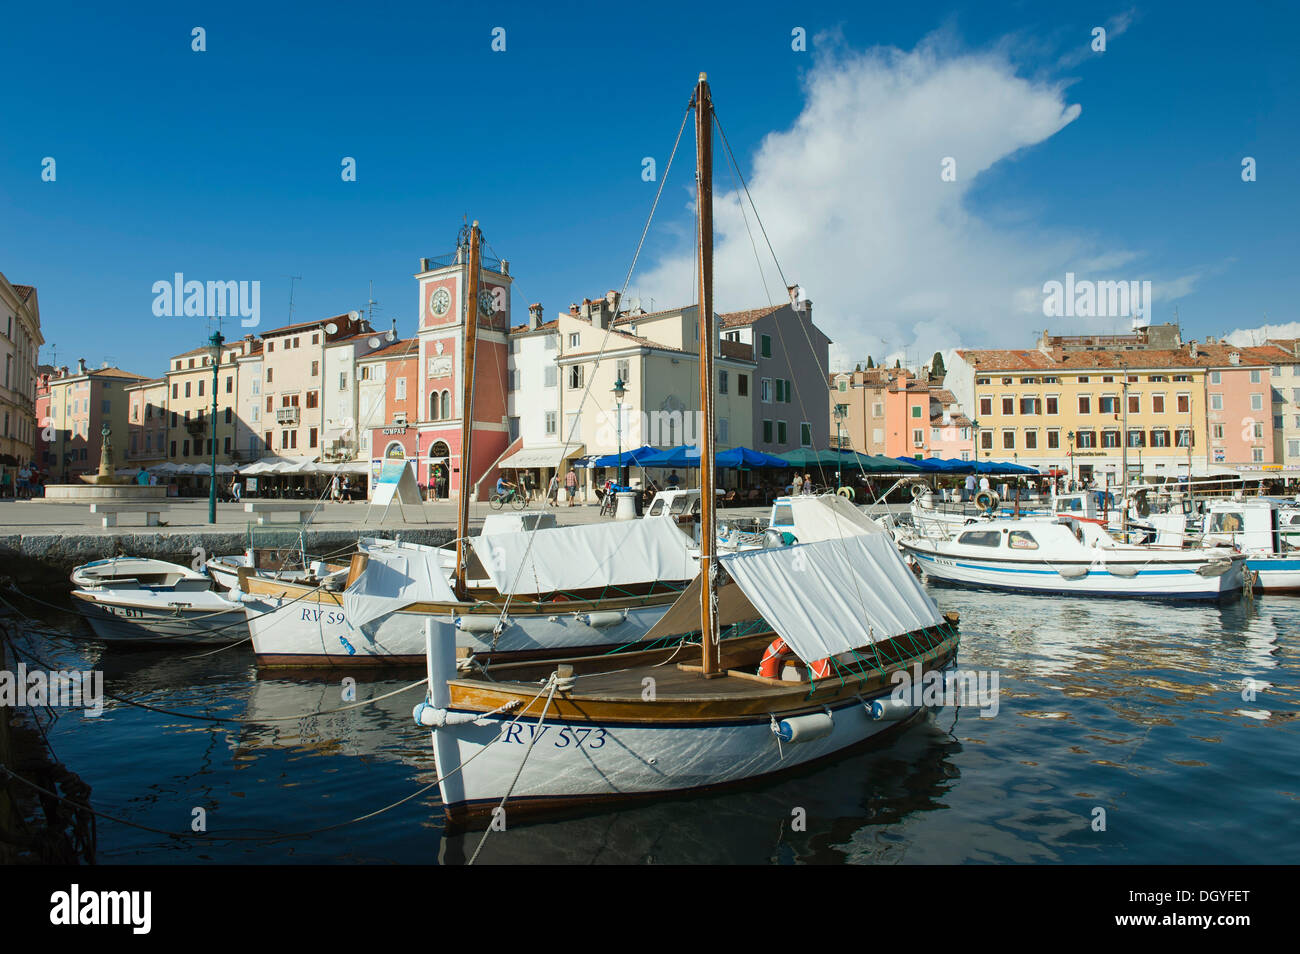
(804, 728)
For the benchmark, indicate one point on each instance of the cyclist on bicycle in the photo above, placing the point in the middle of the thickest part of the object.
(505, 489)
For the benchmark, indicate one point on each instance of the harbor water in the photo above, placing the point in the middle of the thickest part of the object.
(1125, 732)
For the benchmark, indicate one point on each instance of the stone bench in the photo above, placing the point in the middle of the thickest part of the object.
(264, 508)
(109, 511)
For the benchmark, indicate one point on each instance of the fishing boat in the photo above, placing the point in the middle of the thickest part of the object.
(1077, 557)
(839, 620)
(161, 615)
(1259, 528)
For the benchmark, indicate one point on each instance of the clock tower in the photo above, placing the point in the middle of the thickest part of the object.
(443, 283)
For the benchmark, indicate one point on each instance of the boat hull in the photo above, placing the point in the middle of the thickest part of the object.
(579, 763)
(316, 632)
(139, 625)
(1151, 580)
(1281, 575)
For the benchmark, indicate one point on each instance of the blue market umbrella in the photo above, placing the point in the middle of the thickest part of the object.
(628, 458)
(748, 459)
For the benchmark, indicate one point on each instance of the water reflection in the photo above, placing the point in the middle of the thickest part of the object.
(1178, 722)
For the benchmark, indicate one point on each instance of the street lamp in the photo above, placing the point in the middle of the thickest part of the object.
(1070, 437)
(620, 391)
(214, 349)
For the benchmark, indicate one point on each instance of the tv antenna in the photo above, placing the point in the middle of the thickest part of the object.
(292, 279)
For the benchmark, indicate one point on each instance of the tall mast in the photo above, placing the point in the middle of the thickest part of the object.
(467, 405)
(708, 516)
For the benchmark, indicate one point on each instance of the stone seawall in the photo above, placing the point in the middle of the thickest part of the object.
(48, 558)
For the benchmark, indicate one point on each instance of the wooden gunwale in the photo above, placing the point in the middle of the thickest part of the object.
(689, 697)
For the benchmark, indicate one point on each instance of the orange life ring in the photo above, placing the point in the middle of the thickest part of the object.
(772, 656)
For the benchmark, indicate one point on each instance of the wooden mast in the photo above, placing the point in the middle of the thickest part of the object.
(707, 343)
(467, 407)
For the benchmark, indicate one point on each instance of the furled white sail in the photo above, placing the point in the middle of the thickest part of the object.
(395, 576)
(829, 597)
(582, 557)
(828, 517)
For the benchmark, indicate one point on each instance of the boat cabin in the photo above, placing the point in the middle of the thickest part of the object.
(1253, 526)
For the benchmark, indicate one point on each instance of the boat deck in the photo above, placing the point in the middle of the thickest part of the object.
(670, 682)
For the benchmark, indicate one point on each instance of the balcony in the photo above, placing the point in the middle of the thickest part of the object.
(286, 415)
(196, 425)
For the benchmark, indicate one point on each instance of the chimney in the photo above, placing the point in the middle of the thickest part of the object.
(585, 312)
(81, 365)
(534, 316)
(424, 264)
(1192, 349)
(573, 308)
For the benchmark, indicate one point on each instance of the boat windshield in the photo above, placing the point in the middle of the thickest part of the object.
(1226, 521)
(980, 538)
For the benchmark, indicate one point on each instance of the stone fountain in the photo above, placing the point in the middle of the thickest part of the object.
(104, 485)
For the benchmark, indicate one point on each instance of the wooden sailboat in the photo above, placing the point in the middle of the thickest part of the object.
(537, 603)
(540, 736)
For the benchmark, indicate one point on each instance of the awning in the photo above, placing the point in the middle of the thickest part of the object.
(830, 597)
(546, 455)
(586, 556)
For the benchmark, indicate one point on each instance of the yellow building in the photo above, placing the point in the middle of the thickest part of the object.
(190, 433)
(1080, 412)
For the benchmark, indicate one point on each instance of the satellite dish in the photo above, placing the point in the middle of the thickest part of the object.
(354, 315)
(390, 335)
(331, 329)
(374, 342)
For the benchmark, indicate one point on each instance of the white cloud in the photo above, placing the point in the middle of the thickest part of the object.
(1246, 337)
(892, 257)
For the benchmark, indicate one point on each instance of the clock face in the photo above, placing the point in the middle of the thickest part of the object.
(485, 303)
(440, 301)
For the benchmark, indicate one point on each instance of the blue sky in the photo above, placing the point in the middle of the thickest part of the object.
(225, 165)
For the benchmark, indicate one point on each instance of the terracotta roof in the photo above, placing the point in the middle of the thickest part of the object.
(1017, 360)
(400, 347)
(544, 326)
(24, 291)
(148, 382)
(954, 420)
(627, 318)
(736, 319)
(303, 325)
(943, 396)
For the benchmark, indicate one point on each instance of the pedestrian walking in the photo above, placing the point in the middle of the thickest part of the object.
(571, 486)
(553, 490)
(807, 485)
(237, 487)
(335, 488)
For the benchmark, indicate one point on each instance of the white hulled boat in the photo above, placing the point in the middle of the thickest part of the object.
(1064, 555)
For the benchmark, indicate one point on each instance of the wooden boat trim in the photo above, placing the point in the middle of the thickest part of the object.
(708, 705)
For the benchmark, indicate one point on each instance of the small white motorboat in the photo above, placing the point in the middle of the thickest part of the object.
(1064, 555)
(161, 616)
(126, 572)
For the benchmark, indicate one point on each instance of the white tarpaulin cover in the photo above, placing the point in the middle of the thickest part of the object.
(829, 597)
(828, 517)
(618, 553)
(396, 575)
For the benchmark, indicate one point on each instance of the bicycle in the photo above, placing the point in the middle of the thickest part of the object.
(608, 505)
(497, 501)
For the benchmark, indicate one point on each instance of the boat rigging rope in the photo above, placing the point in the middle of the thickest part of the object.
(552, 683)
